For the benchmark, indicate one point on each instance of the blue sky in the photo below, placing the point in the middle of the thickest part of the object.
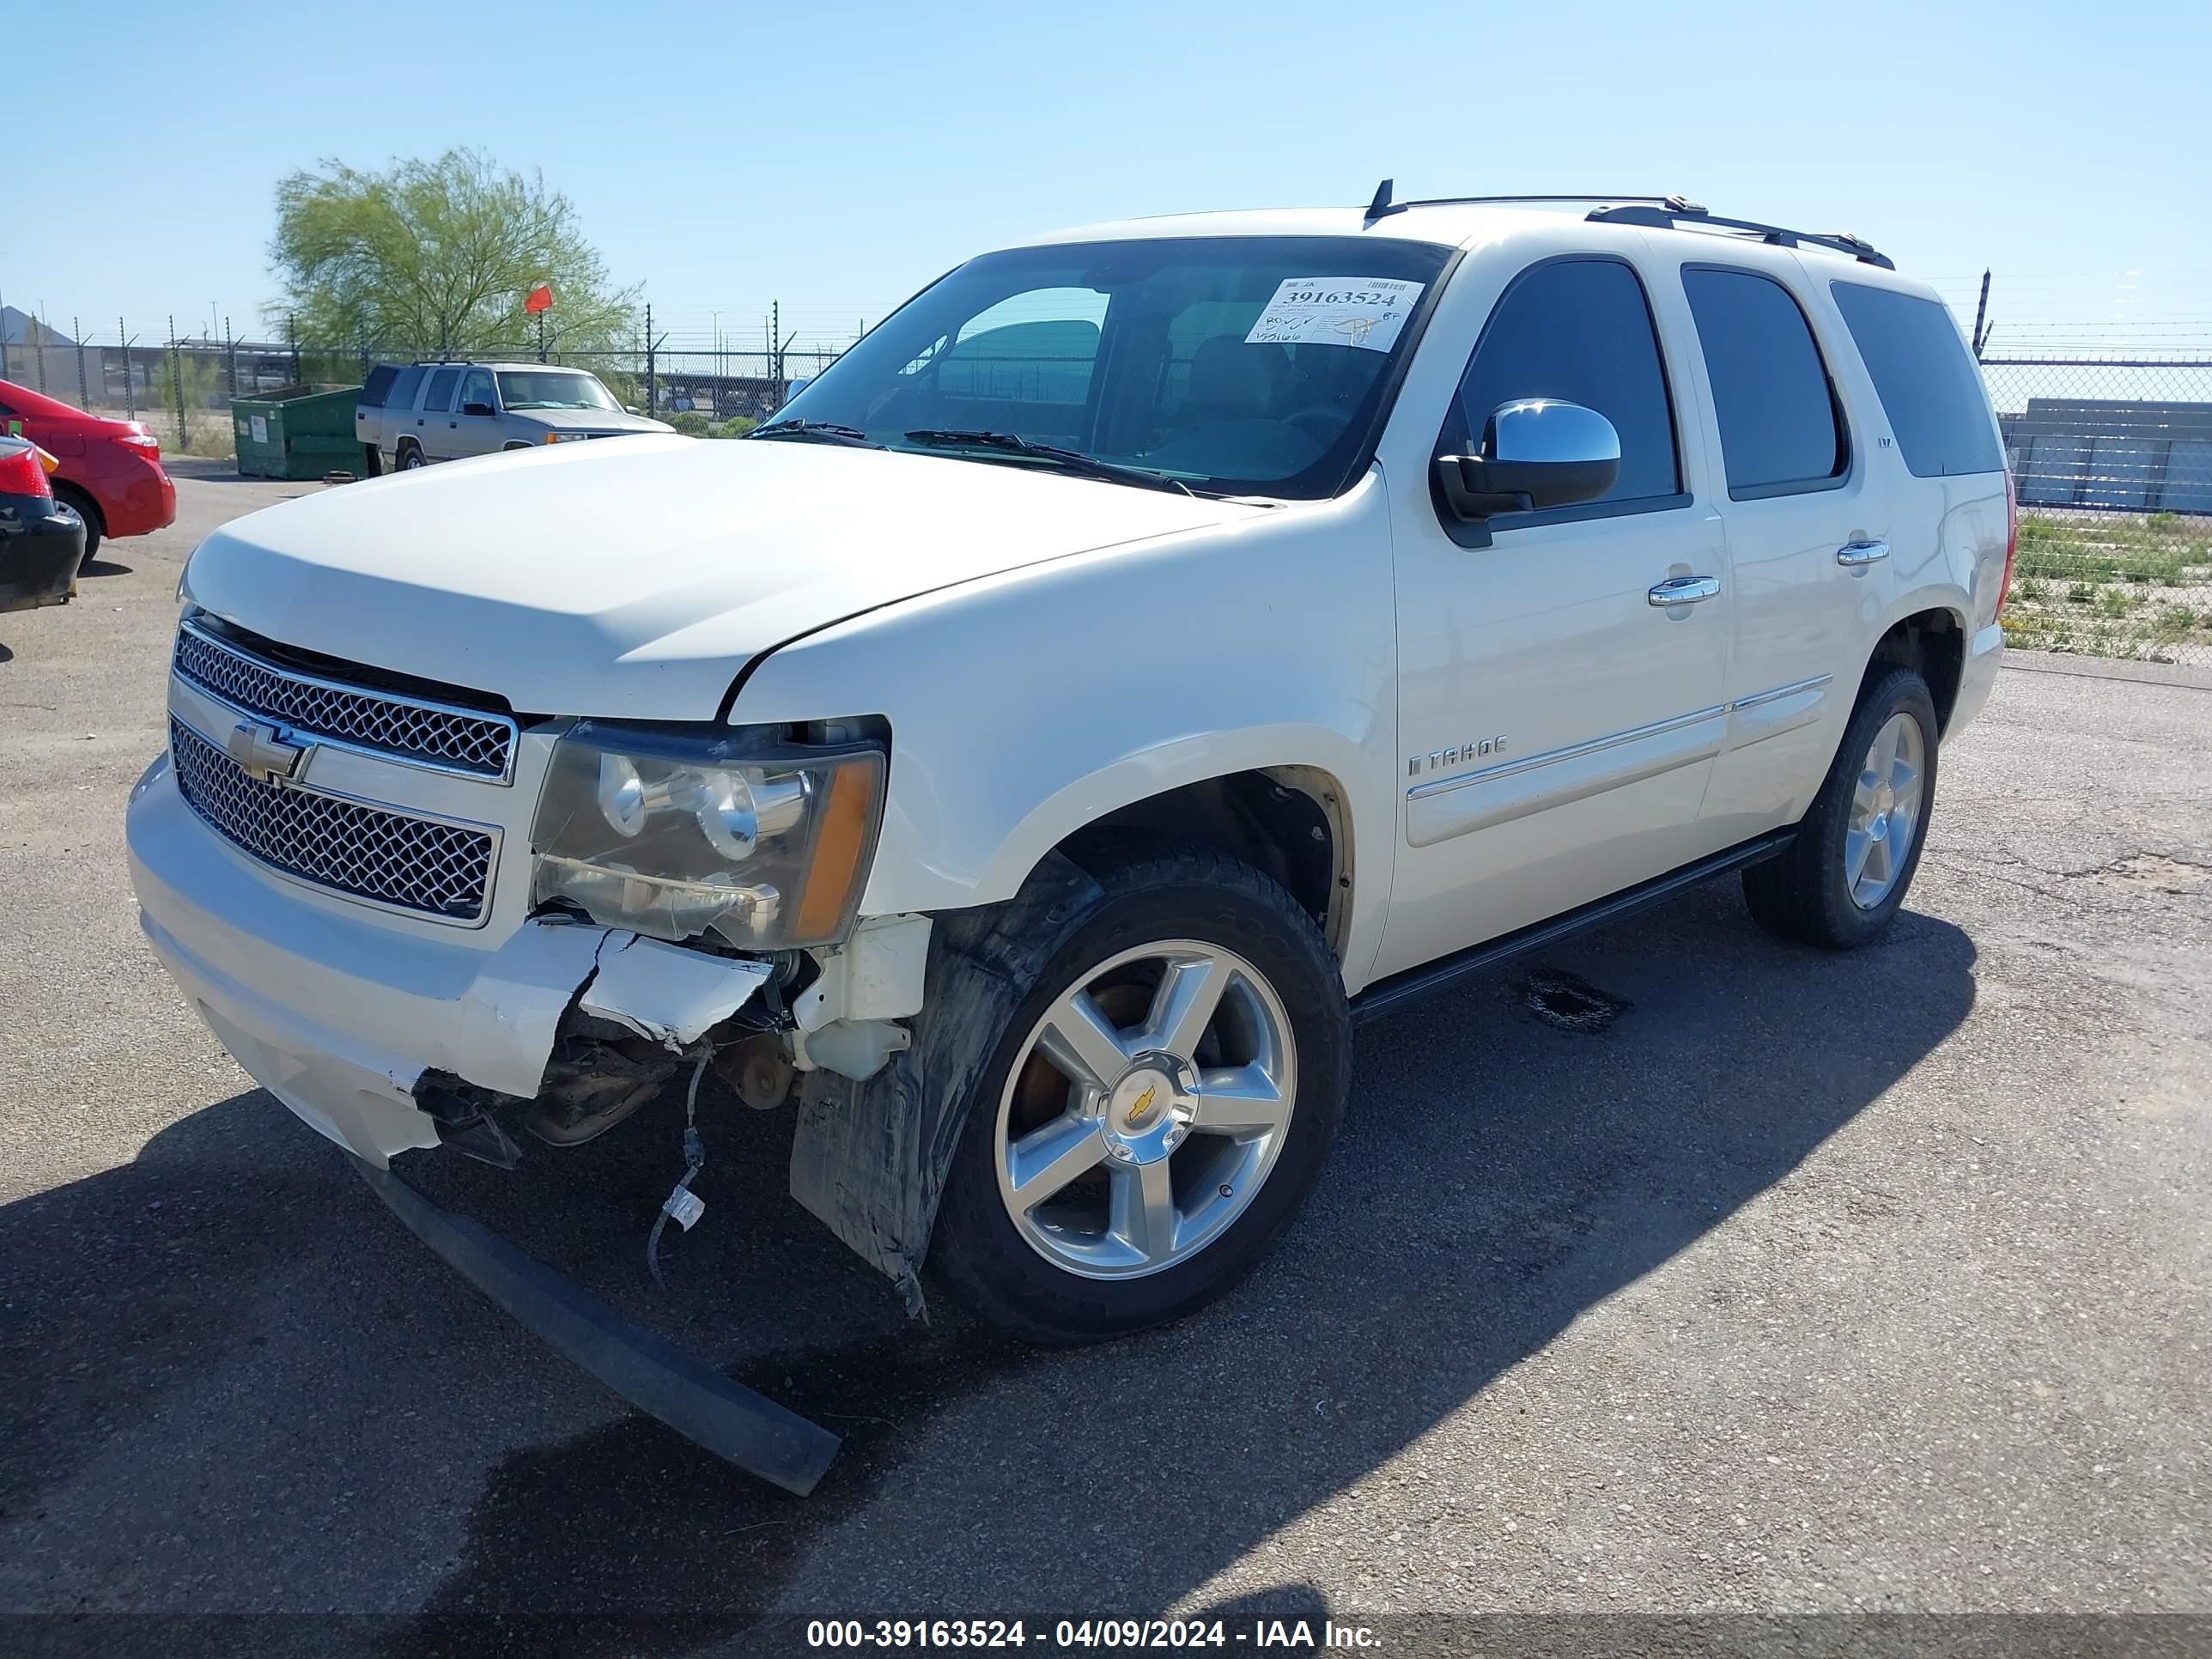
(835, 157)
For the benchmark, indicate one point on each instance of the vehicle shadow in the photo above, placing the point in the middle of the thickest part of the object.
(100, 567)
(307, 1390)
(223, 472)
(204, 469)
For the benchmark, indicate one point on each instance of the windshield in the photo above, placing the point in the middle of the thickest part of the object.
(552, 388)
(1233, 365)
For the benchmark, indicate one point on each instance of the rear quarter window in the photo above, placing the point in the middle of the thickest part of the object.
(439, 399)
(404, 388)
(1779, 431)
(378, 384)
(1929, 388)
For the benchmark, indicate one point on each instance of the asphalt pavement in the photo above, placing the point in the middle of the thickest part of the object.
(1802, 1284)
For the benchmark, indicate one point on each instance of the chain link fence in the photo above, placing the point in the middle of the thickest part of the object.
(182, 385)
(2111, 460)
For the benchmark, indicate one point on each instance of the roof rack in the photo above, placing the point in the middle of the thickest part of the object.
(1383, 205)
(1673, 213)
(1661, 212)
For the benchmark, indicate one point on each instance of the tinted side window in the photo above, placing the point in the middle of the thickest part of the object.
(439, 399)
(477, 389)
(1930, 387)
(378, 385)
(1770, 393)
(402, 395)
(1579, 330)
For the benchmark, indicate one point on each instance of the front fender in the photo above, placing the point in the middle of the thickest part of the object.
(1025, 706)
(1153, 770)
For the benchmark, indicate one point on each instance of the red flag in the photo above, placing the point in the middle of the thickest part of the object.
(541, 299)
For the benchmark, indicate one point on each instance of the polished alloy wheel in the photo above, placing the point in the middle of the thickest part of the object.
(1145, 1109)
(1885, 811)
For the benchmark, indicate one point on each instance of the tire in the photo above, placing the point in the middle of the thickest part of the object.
(1204, 920)
(411, 457)
(1839, 883)
(89, 510)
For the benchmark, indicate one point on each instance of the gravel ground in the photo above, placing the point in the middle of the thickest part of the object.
(1807, 1286)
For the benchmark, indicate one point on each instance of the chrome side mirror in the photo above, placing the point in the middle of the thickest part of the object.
(1536, 452)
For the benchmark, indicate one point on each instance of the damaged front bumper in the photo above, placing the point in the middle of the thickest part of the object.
(341, 1016)
(353, 1024)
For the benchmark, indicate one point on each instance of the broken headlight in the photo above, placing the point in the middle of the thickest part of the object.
(675, 833)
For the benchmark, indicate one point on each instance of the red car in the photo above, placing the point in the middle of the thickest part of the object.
(111, 471)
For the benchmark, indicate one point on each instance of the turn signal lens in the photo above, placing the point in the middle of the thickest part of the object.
(839, 864)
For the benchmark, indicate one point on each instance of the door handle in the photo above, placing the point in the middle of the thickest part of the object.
(1685, 590)
(1855, 553)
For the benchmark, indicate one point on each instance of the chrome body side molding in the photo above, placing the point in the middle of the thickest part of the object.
(1444, 808)
(1769, 714)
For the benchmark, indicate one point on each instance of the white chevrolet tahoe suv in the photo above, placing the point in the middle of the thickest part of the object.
(1143, 653)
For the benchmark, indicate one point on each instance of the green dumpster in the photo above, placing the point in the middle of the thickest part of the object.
(297, 432)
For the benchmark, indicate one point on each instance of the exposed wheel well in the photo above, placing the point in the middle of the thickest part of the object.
(1931, 643)
(1289, 823)
(85, 502)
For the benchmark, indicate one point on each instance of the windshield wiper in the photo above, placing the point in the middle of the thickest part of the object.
(1069, 460)
(828, 432)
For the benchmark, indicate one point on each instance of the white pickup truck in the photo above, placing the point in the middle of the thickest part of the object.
(1150, 649)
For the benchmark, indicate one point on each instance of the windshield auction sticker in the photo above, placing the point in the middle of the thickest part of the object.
(1355, 311)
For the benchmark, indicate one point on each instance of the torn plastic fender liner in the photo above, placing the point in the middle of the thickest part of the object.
(869, 1158)
(654, 1375)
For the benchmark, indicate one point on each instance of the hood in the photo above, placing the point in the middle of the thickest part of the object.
(590, 420)
(633, 580)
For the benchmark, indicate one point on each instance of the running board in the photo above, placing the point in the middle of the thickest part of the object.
(1389, 995)
(729, 1419)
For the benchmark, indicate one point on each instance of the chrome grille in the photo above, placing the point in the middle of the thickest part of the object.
(414, 864)
(453, 739)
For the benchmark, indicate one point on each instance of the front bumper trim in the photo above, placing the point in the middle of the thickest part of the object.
(729, 1419)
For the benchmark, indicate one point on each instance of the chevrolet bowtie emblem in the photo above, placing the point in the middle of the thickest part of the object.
(262, 750)
(1144, 1104)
